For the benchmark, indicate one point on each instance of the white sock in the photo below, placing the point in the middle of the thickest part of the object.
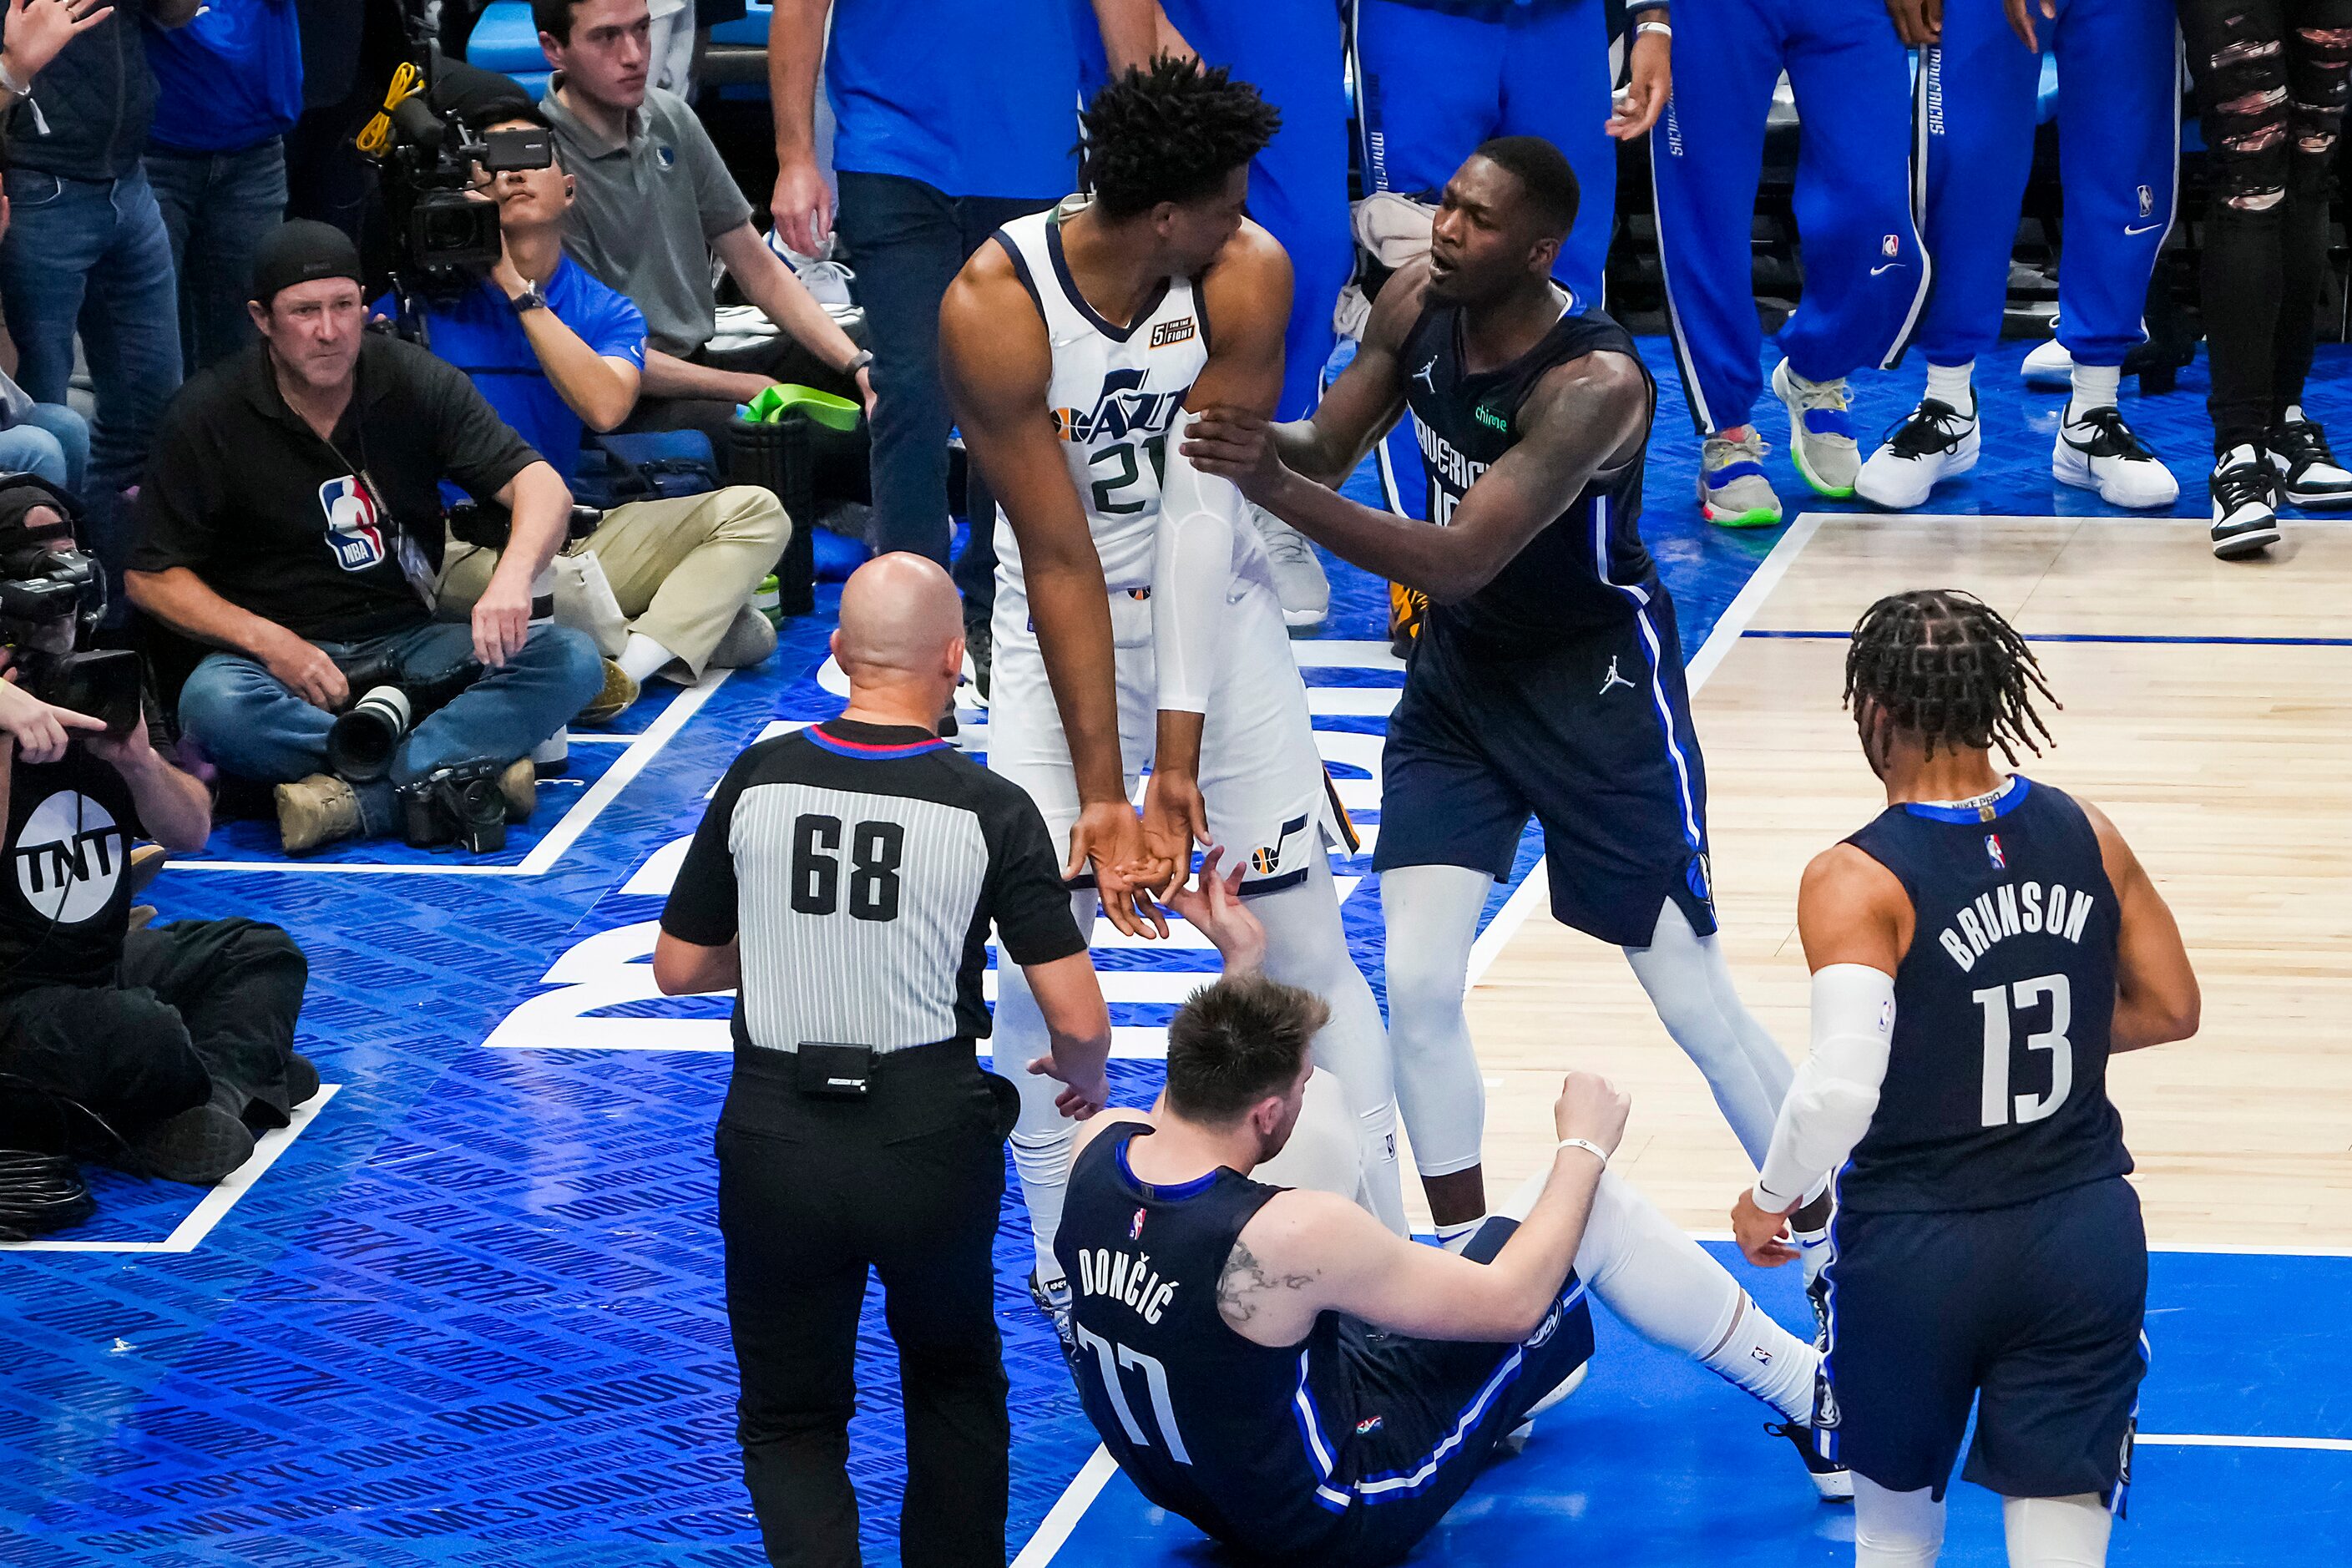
(1043, 1136)
(2095, 387)
(1430, 915)
(643, 658)
(1043, 1161)
(1307, 946)
(1816, 1253)
(1455, 1237)
(1953, 385)
(2056, 1532)
(1896, 1530)
(1671, 1293)
(1676, 969)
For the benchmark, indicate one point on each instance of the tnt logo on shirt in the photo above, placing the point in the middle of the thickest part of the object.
(69, 858)
(354, 532)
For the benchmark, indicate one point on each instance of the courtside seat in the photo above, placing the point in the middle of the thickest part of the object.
(506, 40)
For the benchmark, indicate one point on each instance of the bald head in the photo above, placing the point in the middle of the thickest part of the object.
(901, 628)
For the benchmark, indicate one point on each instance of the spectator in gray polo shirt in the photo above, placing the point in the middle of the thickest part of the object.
(654, 202)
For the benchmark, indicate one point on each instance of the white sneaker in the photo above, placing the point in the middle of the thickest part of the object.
(2099, 452)
(1299, 579)
(826, 280)
(1820, 431)
(1934, 443)
(2308, 474)
(2049, 365)
(2244, 522)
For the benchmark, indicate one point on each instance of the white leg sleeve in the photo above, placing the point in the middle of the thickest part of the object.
(1306, 947)
(1668, 1290)
(2056, 1532)
(1043, 1137)
(1431, 917)
(1679, 970)
(1322, 1153)
(1896, 1530)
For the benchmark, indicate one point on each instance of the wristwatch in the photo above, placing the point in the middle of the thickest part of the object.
(858, 362)
(531, 298)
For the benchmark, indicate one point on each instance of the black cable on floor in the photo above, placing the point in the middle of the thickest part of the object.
(40, 1193)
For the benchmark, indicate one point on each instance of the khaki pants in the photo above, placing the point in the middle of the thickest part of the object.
(681, 569)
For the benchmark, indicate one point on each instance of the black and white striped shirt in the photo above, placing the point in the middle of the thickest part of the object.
(861, 866)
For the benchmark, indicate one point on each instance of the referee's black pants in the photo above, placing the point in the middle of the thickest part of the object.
(810, 1191)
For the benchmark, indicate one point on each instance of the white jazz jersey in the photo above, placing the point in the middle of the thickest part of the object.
(1116, 394)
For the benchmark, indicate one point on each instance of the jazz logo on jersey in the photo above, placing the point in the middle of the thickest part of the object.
(1135, 1227)
(69, 858)
(1122, 408)
(354, 530)
(1181, 330)
(1993, 852)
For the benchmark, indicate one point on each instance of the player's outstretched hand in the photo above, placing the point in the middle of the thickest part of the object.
(1175, 818)
(1237, 445)
(1081, 1096)
(1591, 1108)
(1650, 83)
(1762, 1236)
(1108, 838)
(1213, 904)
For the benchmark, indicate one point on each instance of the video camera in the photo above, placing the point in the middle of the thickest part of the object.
(45, 577)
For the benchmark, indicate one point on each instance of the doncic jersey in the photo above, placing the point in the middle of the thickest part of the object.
(1588, 568)
(1996, 1089)
(1114, 391)
(1207, 1424)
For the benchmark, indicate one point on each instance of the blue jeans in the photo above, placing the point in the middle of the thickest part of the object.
(93, 255)
(216, 208)
(253, 726)
(51, 441)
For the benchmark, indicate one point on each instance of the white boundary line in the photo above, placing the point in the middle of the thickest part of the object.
(214, 1206)
(643, 749)
(1063, 1516)
(2209, 1440)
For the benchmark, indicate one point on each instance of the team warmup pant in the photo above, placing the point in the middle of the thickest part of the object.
(2118, 146)
(812, 1193)
(1864, 271)
(1293, 52)
(1432, 85)
(2271, 87)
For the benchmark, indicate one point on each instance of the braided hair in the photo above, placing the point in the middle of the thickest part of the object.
(1944, 665)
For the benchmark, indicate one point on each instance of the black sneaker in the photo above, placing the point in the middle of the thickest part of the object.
(301, 1078)
(2308, 474)
(1832, 1480)
(2243, 524)
(198, 1146)
(979, 650)
(1054, 1300)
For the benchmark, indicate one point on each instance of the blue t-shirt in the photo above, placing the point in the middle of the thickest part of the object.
(481, 335)
(230, 79)
(973, 100)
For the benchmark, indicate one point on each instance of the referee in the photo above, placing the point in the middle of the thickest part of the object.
(844, 881)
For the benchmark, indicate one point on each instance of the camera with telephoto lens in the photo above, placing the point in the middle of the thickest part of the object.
(460, 804)
(45, 577)
(388, 705)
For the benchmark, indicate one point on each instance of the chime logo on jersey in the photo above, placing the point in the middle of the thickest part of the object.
(1993, 852)
(68, 858)
(354, 532)
(1122, 408)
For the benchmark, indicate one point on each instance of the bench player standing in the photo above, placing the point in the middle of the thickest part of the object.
(1978, 952)
(1068, 346)
(1548, 678)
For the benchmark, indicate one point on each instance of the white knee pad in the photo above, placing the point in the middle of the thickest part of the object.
(2056, 1532)
(1896, 1530)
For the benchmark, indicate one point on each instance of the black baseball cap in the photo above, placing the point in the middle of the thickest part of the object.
(302, 251)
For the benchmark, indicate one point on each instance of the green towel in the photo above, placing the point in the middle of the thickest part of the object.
(774, 402)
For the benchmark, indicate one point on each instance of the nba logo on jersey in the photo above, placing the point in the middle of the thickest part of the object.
(1993, 852)
(1889, 245)
(354, 531)
(1135, 1227)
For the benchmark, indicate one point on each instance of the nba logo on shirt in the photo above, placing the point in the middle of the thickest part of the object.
(1135, 1227)
(354, 532)
(1888, 245)
(1993, 853)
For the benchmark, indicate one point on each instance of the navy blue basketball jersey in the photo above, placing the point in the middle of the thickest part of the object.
(1996, 1088)
(1588, 567)
(1204, 1422)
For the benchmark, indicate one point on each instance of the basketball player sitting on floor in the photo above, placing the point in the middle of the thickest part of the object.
(1978, 952)
(1298, 1382)
(1548, 678)
(1068, 345)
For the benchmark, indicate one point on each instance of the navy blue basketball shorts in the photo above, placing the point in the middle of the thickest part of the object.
(2032, 1313)
(1592, 737)
(1418, 1419)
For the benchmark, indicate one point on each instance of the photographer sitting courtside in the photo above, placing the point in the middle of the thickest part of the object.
(181, 1037)
(292, 520)
(553, 348)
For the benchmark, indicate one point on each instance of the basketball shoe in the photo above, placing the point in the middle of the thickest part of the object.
(2308, 474)
(1732, 489)
(1299, 579)
(1820, 431)
(2096, 450)
(2243, 524)
(1935, 442)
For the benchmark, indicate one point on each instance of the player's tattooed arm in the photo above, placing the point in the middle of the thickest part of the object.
(1249, 1286)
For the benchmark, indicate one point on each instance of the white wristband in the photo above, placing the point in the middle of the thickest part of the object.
(1595, 1150)
(1663, 29)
